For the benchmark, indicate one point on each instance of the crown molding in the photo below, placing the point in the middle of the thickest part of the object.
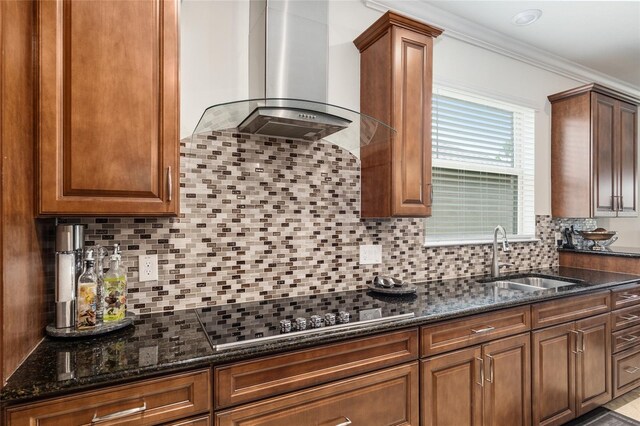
(469, 32)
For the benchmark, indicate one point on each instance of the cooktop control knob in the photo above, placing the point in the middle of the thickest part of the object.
(301, 324)
(315, 321)
(329, 319)
(343, 317)
(285, 326)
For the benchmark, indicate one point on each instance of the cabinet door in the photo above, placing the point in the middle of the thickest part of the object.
(507, 386)
(452, 389)
(553, 372)
(604, 162)
(108, 107)
(386, 397)
(411, 117)
(593, 363)
(628, 158)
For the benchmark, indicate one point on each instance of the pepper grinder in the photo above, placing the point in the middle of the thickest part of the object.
(69, 250)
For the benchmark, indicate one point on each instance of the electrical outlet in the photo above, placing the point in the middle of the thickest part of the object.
(370, 254)
(148, 356)
(148, 267)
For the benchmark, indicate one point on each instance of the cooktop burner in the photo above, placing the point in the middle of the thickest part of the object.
(244, 324)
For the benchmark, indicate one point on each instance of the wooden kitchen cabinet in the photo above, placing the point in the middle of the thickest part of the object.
(593, 363)
(594, 151)
(571, 369)
(481, 385)
(149, 402)
(396, 55)
(108, 107)
(386, 397)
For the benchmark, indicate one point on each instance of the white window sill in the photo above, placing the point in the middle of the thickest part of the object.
(478, 242)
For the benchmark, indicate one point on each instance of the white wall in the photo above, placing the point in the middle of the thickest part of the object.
(214, 58)
(214, 63)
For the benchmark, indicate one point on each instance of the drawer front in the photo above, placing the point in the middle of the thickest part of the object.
(625, 296)
(625, 339)
(626, 371)
(627, 317)
(570, 308)
(198, 421)
(143, 403)
(275, 375)
(465, 332)
(387, 397)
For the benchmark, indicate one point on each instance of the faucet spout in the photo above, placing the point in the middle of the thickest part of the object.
(495, 265)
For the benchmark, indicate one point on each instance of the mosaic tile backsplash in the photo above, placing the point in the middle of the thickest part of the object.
(263, 218)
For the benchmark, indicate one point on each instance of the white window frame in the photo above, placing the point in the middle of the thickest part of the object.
(524, 147)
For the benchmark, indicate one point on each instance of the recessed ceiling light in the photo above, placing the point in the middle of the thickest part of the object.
(527, 17)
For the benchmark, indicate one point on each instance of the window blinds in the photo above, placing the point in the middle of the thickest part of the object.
(483, 168)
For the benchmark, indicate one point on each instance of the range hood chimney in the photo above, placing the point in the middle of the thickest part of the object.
(288, 69)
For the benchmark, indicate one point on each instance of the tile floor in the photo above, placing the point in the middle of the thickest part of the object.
(627, 404)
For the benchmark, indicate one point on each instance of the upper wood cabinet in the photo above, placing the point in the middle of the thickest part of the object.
(594, 153)
(396, 56)
(108, 141)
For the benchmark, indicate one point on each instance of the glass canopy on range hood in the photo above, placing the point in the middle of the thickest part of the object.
(360, 130)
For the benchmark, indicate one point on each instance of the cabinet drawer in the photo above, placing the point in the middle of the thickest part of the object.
(625, 339)
(387, 397)
(465, 332)
(569, 309)
(265, 377)
(627, 317)
(624, 296)
(626, 371)
(198, 421)
(143, 403)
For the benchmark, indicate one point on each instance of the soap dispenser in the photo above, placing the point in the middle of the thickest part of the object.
(115, 290)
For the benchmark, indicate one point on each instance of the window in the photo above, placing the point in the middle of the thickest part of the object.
(483, 169)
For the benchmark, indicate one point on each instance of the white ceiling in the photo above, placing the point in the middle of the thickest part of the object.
(601, 35)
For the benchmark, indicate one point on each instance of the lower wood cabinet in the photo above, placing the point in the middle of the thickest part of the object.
(626, 371)
(481, 385)
(386, 397)
(150, 402)
(571, 369)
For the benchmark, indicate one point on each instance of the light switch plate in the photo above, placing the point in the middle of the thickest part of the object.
(370, 254)
(148, 267)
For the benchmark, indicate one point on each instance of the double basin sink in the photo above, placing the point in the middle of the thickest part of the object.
(529, 283)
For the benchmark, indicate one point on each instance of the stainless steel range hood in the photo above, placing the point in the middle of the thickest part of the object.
(288, 58)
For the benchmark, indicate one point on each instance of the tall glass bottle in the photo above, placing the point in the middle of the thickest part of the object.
(115, 290)
(87, 295)
(101, 258)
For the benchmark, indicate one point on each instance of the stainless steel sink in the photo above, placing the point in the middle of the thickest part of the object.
(541, 282)
(512, 285)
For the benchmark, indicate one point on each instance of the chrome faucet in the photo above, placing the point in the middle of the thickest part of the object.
(495, 265)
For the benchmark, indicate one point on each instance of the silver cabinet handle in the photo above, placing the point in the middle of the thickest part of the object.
(431, 194)
(577, 334)
(613, 203)
(491, 369)
(631, 370)
(483, 330)
(581, 340)
(118, 414)
(621, 206)
(628, 296)
(169, 184)
(481, 371)
(345, 423)
(630, 338)
(629, 317)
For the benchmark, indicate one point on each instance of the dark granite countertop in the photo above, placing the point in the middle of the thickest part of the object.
(175, 341)
(610, 251)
